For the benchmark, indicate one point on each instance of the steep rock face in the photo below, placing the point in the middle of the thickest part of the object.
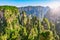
(1, 14)
(1, 17)
(38, 11)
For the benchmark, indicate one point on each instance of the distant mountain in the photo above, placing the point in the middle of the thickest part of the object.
(38, 11)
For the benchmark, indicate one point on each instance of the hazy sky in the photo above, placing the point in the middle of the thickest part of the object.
(20, 3)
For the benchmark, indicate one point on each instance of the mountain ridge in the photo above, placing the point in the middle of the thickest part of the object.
(38, 11)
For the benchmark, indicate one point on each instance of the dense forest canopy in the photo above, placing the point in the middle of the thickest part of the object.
(18, 26)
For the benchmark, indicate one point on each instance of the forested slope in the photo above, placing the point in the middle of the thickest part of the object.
(16, 26)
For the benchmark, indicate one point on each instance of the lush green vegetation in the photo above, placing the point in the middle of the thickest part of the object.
(18, 26)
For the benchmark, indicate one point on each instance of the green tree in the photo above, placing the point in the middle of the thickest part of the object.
(47, 35)
(24, 18)
(46, 23)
